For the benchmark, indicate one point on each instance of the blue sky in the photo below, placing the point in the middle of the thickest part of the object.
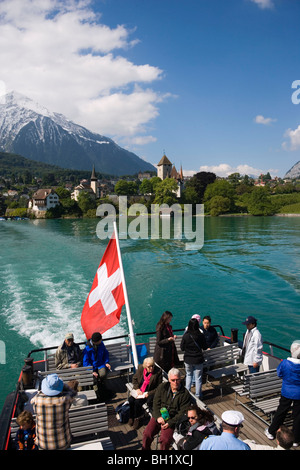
(208, 82)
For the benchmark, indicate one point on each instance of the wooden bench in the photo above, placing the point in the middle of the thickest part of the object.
(263, 390)
(152, 343)
(84, 421)
(222, 362)
(119, 359)
(84, 376)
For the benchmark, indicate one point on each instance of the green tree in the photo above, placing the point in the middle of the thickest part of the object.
(219, 205)
(223, 189)
(121, 188)
(146, 187)
(259, 202)
(86, 202)
(199, 183)
(166, 192)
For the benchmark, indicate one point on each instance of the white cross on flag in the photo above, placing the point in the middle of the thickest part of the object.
(102, 309)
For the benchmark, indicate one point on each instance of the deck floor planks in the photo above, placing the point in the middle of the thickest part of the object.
(124, 437)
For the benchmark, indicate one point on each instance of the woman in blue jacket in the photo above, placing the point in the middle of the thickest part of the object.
(289, 370)
(95, 354)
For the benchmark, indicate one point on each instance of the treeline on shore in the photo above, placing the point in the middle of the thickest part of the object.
(234, 195)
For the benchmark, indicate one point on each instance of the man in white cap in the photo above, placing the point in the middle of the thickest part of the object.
(231, 423)
(51, 406)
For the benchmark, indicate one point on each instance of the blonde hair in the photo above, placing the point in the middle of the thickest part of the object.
(148, 361)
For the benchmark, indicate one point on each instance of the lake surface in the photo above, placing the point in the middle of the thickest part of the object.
(247, 265)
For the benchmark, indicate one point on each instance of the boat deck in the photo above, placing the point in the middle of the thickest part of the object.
(124, 437)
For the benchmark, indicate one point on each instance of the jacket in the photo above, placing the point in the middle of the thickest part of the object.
(176, 405)
(165, 352)
(253, 351)
(193, 346)
(155, 379)
(96, 356)
(62, 356)
(289, 371)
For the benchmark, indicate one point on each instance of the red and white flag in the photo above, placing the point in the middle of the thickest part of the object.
(102, 309)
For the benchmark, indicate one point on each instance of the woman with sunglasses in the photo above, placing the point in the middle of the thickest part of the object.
(202, 424)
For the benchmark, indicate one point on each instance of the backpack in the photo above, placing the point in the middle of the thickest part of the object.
(122, 412)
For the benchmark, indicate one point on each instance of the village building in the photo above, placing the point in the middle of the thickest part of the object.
(42, 200)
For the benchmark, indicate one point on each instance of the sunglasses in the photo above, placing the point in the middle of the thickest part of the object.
(192, 417)
(175, 380)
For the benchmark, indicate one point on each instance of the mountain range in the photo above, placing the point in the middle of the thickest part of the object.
(31, 130)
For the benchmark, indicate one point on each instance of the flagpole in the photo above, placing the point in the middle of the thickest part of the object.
(131, 333)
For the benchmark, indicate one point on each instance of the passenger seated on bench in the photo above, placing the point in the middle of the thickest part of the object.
(81, 398)
(145, 382)
(201, 425)
(95, 354)
(171, 401)
(25, 437)
(69, 354)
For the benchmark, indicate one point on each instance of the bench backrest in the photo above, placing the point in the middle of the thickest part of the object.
(264, 383)
(118, 352)
(152, 343)
(84, 420)
(221, 356)
(84, 375)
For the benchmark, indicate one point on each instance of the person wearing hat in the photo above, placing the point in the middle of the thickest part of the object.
(252, 345)
(231, 424)
(51, 407)
(95, 354)
(69, 354)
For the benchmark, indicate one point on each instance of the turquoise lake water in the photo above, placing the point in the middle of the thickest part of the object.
(247, 266)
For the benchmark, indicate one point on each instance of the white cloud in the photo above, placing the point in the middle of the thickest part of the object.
(262, 120)
(294, 139)
(264, 3)
(61, 54)
(224, 170)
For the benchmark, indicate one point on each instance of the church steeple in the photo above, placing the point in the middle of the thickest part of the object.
(94, 180)
(93, 175)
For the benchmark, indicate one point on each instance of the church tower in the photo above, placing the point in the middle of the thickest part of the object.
(94, 181)
(164, 168)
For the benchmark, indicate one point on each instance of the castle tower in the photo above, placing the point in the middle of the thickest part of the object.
(164, 168)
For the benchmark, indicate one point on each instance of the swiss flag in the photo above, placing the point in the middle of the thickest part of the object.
(102, 309)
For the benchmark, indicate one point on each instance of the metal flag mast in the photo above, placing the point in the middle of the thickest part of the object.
(131, 333)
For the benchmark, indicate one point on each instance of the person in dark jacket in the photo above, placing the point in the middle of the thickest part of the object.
(210, 333)
(165, 352)
(192, 344)
(95, 354)
(145, 382)
(171, 401)
(202, 424)
(289, 371)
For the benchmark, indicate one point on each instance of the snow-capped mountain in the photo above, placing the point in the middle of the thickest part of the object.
(31, 130)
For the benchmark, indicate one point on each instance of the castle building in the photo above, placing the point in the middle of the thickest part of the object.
(165, 169)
